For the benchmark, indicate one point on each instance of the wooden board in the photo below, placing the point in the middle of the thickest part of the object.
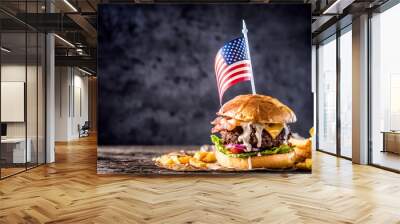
(137, 160)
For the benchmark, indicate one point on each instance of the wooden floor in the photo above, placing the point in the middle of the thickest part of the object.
(10, 171)
(387, 159)
(70, 191)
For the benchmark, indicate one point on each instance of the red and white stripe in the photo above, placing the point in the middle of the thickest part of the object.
(229, 75)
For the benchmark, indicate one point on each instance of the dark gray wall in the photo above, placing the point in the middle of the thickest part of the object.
(156, 67)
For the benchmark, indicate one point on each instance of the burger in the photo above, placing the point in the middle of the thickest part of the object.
(253, 133)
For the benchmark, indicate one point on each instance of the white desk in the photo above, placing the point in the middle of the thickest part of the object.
(18, 149)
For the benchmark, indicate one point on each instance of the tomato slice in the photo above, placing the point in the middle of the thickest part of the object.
(236, 150)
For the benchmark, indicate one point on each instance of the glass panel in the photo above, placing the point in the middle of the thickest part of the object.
(22, 88)
(31, 100)
(41, 99)
(327, 96)
(13, 89)
(345, 94)
(385, 84)
(31, 84)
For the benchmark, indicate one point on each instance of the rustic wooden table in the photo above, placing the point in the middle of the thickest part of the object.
(137, 160)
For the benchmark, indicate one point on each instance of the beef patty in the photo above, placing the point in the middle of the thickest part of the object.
(231, 137)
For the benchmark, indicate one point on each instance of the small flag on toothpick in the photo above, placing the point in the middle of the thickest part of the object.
(233, 64)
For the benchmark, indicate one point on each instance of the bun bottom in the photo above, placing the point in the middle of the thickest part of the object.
(277, 161)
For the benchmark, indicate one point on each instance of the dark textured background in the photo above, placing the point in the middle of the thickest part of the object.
(156, 78)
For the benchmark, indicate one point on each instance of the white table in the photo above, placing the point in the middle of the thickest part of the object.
(18, 145)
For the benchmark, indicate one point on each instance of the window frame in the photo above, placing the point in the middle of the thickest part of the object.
(333, 37)
(27, 29)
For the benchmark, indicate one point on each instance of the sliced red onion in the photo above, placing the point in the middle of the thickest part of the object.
(242, 147)
(238, 146)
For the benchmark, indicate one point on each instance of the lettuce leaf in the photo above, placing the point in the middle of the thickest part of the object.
(219, 145)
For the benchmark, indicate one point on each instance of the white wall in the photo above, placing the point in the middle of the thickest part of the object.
(62, 81)
(80, 110)
(71, 102)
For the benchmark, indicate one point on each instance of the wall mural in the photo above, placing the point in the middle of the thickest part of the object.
(171, 76)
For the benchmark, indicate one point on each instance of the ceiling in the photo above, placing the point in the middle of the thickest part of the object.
(74, 21)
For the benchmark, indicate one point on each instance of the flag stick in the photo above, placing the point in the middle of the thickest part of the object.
(244, 31)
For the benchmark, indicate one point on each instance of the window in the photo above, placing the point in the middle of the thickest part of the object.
(334, 106)
(346, 93)
(385, 88)
(22, 77)
(327, 96)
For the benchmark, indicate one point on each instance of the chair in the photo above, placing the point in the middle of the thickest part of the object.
(84, 130)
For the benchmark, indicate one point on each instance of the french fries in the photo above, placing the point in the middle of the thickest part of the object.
(165, 160)
(209, 158)
(302, 148)
(177, 159)
(197, 163)
(306, 165)
(183, 161)
(311, 131)
(303, 152)
(202, 159)
(199, 155)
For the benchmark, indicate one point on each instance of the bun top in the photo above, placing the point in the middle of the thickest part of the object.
(257, 108)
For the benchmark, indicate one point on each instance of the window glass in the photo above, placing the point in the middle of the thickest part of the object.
(327, 96)
(32, 71)
(15, 149)
(22, 90)
(385, 88)
(41, 99)
(345, 94)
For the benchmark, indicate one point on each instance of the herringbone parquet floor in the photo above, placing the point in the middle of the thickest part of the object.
(70, 191)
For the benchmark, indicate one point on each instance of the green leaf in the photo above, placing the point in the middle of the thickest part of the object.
(219, 145)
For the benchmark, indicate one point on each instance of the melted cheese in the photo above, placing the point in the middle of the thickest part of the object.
(245, 136)
(274, 129)
(250, 165)
(259, 130)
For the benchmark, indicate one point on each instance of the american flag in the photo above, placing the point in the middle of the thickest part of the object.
(232, 65)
